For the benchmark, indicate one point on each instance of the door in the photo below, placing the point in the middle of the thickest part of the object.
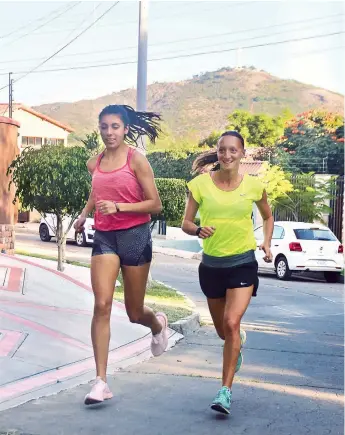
(277, 240)
(259, 254)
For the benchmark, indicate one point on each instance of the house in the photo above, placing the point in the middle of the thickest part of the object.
(36, 128)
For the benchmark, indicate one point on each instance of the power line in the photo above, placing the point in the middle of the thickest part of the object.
(184, 55)
(44, 24)
(208, 46)
(25, 26)
(251, 30)
(163, 16)
(84, 20)
(267, 35)
(66, 45)
(191, 39)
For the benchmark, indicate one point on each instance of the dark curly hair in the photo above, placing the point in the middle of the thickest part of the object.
(138, 123)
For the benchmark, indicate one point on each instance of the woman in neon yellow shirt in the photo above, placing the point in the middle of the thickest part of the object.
(228, 272)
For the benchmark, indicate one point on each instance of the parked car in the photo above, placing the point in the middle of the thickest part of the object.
(48, 227)
(299, 246)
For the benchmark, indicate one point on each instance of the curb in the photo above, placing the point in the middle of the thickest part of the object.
(25, 230)
(187, 325)
(175, 252)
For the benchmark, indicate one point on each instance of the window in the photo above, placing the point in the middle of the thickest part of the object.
(278, 232)
(259, 233)
(315, 234)
(53, 141)
(34, 142)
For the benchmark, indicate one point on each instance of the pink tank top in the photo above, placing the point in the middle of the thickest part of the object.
(121, 186)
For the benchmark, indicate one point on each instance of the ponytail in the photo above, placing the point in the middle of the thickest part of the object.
(204, 161)
(138, 123)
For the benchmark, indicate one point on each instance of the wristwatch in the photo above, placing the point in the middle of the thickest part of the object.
(197, 232)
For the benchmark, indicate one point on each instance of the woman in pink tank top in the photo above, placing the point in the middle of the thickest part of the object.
(123, 195)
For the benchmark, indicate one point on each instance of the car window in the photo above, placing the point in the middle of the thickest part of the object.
(278, 232)
(315, 234)
(259, 233)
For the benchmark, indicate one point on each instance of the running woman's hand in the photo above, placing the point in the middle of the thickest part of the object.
(106, 207)
(206, 232)
(268, 254)
(79, 224)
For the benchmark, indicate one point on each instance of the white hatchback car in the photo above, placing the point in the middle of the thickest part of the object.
(47, 230)
(299, 246)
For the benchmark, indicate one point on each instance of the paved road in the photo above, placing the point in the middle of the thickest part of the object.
(32, 243)
(291, 382)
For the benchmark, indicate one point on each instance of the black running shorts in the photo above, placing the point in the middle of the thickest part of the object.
(214, 281)
(133, 246)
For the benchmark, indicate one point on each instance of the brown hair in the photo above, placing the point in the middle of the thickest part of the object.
(210, 157)
(138, 123)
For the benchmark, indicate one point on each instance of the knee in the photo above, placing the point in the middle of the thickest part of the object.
(134, 315)
(103, 308)
(220, 333)
(232, 326)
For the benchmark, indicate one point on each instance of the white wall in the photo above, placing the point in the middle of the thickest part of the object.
(32, 126)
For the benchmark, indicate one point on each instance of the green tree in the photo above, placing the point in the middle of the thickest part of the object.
(92, 142)
(259, 130)
(53, 179)
(308, 200)
(313, 141)
(211, 140)
(276, 182)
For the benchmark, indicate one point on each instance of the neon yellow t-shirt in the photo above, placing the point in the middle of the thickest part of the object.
(229, 212)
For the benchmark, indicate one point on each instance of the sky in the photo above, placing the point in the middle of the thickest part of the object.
(31, 32)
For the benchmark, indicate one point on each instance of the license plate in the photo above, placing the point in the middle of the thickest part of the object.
(320, 262)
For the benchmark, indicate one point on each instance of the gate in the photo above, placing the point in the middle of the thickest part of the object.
(335, 219)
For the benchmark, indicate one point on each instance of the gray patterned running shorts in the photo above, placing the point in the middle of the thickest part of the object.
(133, 246)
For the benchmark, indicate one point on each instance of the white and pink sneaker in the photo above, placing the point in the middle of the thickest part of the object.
(159, 341)
(99, 392)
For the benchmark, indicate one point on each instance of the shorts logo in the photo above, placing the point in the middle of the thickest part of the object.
(244, 283)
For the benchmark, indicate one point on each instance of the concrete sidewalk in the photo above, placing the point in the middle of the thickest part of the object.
(291, 382)
(280, 390)
(45, 343)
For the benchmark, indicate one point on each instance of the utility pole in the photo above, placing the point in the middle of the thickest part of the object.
(142, 64)
(10, 95)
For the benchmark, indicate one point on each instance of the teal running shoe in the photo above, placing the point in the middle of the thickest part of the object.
(222, 401)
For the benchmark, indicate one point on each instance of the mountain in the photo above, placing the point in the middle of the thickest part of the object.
(200, 105)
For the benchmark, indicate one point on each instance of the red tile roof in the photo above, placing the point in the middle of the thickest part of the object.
(17, 106)
(251, 168)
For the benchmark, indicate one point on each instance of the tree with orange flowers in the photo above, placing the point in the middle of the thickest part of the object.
(313, 141)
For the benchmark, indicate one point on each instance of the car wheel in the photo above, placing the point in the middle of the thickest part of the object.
(282, 268)
(331, 277)
(44, 233)
(80, 239)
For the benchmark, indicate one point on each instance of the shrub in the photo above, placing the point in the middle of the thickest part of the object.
(172, 192)
(172, 164)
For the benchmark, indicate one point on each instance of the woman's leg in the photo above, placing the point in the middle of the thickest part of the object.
(237, 301)
(104, 271)
(217, 307)
(135, 281)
